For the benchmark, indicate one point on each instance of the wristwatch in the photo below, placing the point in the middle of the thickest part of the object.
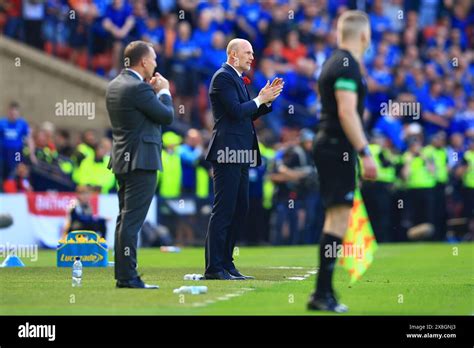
(364, 152)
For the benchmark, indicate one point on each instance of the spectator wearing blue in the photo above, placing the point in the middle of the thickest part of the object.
(299, 96)
(154, 33)
(379, 22)
(54, 26)
(14, 135)
(161, 7)
(459, 95)
(80, 28)
(118, 21)
(418, 85)
(463, 121)
(253, 22)
(140, 14)
(399, 84)
(393, 9)
(267, 72)
(429, 11)
(391, 56)
(438, 111)
(215, 55)
(101, 6)
(14, 24)
(456, 150)
(462, 16)
(185, 67)
(98, 40)
(223, 12)
(279, 24)
(191, 153)
(392, 128)
(378, 83)
(392, 39)
(202, 34)
(321, 22)
(319, 52)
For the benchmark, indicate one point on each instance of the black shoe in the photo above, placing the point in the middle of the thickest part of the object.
(222, 275)
(136, 283)
(235, 272)
(326, 302)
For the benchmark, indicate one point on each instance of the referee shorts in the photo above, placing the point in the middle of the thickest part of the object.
(336, 164)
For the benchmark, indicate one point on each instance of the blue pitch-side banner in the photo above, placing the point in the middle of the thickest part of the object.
(87, 245)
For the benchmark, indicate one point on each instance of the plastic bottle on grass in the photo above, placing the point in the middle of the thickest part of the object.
(194, 290)
(77, 272)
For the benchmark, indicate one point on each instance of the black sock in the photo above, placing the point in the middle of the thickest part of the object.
(328, 248)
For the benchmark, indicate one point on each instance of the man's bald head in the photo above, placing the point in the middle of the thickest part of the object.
(239, 54)
(234, 45)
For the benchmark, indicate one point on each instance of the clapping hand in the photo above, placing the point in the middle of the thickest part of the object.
(271, 91)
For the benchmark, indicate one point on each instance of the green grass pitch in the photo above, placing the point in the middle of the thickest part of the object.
(405, 279)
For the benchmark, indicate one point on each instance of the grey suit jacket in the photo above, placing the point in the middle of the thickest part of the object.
(136, 115)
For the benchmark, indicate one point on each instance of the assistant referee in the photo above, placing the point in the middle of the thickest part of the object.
(339, 140)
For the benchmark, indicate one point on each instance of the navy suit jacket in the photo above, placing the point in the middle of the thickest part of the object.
(233, 111)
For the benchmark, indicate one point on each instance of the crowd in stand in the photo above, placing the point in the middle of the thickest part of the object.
(422, 55)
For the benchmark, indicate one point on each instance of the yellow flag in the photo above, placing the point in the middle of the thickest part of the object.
(359, 244)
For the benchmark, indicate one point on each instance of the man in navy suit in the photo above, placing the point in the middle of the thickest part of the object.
(232, 149)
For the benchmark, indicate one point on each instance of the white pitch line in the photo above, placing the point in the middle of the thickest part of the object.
(234, 295)
(303, 277)
(296, 278)
(225, 297)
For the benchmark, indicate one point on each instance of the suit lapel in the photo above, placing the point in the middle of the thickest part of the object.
(246, 90)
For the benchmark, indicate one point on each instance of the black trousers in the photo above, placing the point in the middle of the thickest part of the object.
(136, 191)
(378, 199)
(421, 205)
(229, 211)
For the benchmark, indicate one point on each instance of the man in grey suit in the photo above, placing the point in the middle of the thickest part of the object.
(139, 103)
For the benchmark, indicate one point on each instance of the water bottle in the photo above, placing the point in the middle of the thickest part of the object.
(193, 290)
(77, 272)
